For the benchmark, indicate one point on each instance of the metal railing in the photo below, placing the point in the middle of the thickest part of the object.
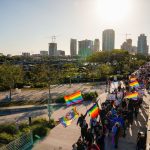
(148, 131)
(22, 143)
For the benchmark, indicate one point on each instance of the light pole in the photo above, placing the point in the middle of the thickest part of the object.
(49, 97)
(49, 92)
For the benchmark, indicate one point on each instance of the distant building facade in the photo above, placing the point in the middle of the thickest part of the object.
(60, 53)
(25, 54)
(73, 47)
(127, 45)
(85, 48)
(108, 40)
(96, 45)
(142, 47)
(44, 53)
(52, 49)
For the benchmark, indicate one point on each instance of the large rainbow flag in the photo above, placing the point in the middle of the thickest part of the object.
(73, 98)
(69, 117)
(94, 111)
(133, 79)
(133, 96)
(134, 84)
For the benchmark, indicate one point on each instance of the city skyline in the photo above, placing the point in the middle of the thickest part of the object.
(29, 25)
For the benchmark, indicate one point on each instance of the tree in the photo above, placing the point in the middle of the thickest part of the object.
(104, 70)
(10, 75)
(69, 71)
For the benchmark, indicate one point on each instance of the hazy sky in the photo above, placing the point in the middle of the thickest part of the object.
(27, 25)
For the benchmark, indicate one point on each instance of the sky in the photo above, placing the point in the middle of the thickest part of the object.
(27, 25)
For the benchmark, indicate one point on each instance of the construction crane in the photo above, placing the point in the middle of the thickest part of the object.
(53, 38)
(127, 35)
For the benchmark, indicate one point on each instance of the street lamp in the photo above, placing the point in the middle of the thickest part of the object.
(49, 97)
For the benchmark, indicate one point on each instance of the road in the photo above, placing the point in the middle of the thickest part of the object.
(56, 91)
(37, 95)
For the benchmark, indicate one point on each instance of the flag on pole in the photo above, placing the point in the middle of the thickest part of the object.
(133, 79)
(134, 84)
(69, 117)
(133, 96)
(73, 98)
(94, 111)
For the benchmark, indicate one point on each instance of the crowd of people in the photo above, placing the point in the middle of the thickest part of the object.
(115, 117)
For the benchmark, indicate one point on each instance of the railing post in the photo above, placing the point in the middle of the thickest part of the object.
(31, 136)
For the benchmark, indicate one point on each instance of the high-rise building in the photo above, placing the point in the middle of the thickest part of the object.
(60, 53)
(142, 47)
(96, 45)
(108, 40)
(44, 53)
(85, 48)
(52, 49)
(73, 47)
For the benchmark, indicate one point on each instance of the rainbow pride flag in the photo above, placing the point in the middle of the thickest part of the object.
(73, 98)
(69, 117)
(134, 84)
(94, 111)
(133, 79)
(133, 96)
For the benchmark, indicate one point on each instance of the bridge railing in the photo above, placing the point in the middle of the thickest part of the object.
(148, 130)
(22, 143)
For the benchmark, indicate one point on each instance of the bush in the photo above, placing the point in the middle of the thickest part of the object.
(60, 100)
(40, 130)
(19, 85)
(10, 129)
(5, 138)
(24, 127)
(44, 122)
(41, 121)
(40, 85)
(90, 96)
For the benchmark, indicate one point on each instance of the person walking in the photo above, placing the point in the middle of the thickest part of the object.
(116, 132)
(84, 128)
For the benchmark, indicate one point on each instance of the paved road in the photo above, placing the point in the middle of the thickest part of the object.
(37, 94)
(40, 94)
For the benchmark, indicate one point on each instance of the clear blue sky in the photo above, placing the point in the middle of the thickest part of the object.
(27, 25)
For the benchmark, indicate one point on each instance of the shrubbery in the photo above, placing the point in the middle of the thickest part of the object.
(40, 85)
(6, 138)
(40, 130)
(10, 129)
(86, 96)
(39, 127)
(90, 96)
(60, 100)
